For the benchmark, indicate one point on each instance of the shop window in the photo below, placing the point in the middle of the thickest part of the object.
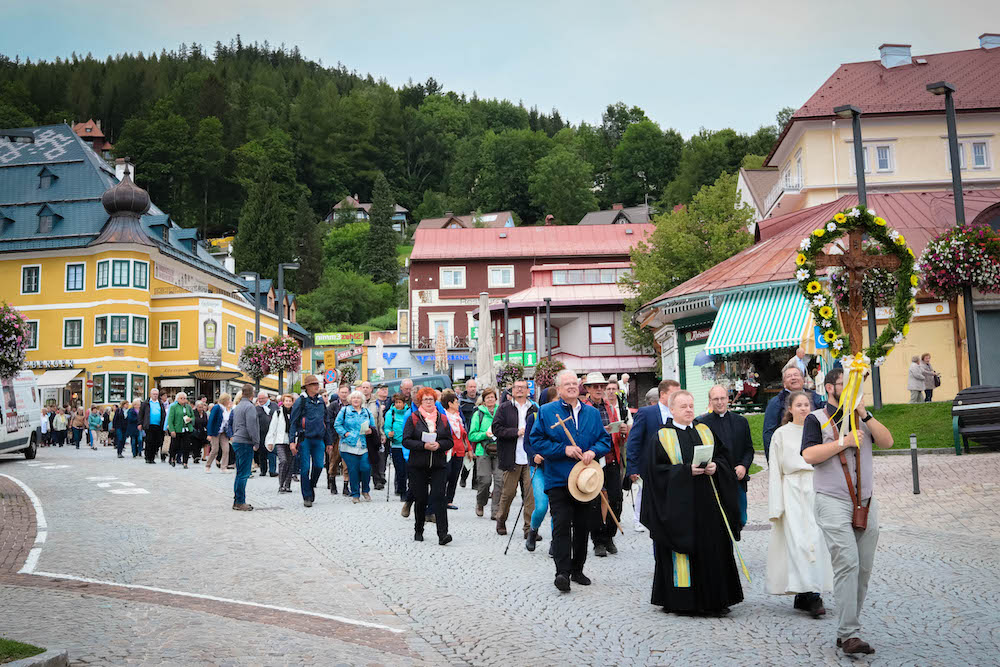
(74, 277)
(139, 330)
(231, 338)
(31, 279)
(138, 385)
(602, 334)
(103, 273)
(73, 333)
(118, 388)
(101, 330)
(140, 275)
(169, 335)
(119, 273)
(119, 328)
(97, 395)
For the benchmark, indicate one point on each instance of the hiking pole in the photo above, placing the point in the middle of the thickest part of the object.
(521, 509)
(388, 474)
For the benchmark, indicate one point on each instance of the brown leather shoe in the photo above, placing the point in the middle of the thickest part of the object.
(501, 529)
(243, 507)
(855, 645)
(479, 511)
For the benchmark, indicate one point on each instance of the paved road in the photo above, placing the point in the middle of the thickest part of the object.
(345, 584)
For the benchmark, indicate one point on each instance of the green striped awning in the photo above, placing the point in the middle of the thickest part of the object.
(761, 319)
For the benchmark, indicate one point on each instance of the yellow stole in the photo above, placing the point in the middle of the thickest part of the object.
(668, 440)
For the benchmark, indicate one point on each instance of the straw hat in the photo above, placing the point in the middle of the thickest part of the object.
(586, 481)
(309, 379)
(594, 378)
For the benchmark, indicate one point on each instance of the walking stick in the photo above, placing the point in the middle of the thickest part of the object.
(604, 495)
(520, 509)
(388, 474)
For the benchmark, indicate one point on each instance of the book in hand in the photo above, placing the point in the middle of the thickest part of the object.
(615, 427)
(702, 455)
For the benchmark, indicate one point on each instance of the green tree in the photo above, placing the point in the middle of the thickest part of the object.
(380, 249)
(307, 235)
(752, 161)
(160, 143)
(209, 154)
(344, 247)
(343, 297)
(616, 119)
(782, 117)
(433, 205)
(644, 161)
(686, 241)
(262, 240)
(707, 155)
(507, 162)
(561, 185)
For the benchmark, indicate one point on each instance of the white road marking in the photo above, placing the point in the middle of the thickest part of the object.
(31, 562)
(107, 485)
(200, 596)
(101, 479)
(54, 467)
(36, 503)
(128, 492)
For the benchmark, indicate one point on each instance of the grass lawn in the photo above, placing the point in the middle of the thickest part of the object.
(930, 421)
(11, 650)
(403, 253)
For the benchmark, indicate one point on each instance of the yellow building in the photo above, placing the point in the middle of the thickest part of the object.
(118, 297)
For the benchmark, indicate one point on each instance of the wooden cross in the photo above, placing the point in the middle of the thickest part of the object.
(856, 262)
(562, 422)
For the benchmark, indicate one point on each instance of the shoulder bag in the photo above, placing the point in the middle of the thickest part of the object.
(859, 518)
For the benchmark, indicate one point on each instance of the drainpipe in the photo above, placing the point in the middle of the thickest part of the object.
(548, 327)
(506, 332)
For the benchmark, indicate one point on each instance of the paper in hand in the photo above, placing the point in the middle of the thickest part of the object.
(615, 427)
(428, 437)
(702, 455)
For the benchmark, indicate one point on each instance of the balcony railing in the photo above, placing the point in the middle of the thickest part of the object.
(454, 343)
(787, 183)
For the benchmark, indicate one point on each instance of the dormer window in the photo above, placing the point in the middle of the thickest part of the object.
(89, 130)
(45, 179)
(46, 219)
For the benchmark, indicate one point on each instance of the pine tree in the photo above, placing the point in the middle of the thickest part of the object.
(308, 236)
(380, 253)
(262, 241)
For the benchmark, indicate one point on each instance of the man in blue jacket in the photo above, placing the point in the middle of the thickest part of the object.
(792, 380)
(310, 430)
(571, 519)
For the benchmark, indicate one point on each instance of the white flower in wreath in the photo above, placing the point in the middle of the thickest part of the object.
(819, 300)
(871, 211)
(831, 226)
(894, 235)
(913, 291)
(838, 344)
(898, 338)
(854, 213)
(802, 274)
(880, 361)
(865, 359)
(827, 324)
(805, 244)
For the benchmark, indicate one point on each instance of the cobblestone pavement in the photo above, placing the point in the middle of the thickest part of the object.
(337, 582)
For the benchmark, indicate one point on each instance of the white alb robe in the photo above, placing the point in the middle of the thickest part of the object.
(797, 558)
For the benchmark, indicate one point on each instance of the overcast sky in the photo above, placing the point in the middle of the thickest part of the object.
(689, 64)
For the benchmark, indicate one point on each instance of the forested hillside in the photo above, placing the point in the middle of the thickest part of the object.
(201, 126)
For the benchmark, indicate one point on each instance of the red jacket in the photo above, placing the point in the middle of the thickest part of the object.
(461, 440)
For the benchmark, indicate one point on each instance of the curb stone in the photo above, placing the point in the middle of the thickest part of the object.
(52, 658)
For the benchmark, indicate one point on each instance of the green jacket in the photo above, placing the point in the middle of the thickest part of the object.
(482, 420)
(175, 418)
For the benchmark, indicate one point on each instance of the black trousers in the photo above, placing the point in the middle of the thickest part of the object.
(180, 447)
(606, 529)
(152, 441)
(571, 521)
(437, 480)
(375, 460)
(454, 470)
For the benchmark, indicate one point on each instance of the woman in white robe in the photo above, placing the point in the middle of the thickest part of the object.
(797, 559)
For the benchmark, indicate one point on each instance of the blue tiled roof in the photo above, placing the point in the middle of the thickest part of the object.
(81, 177)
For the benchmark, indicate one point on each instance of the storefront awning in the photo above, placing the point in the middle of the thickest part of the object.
(58, 377)
(761, 319)
(214, 375)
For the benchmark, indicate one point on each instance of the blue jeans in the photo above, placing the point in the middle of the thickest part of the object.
(312, 451)
(541, 500)
(742, 497)
(244, 456)
(360, 471)
(272, 463)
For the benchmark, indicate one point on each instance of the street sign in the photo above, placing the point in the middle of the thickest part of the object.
(330, 359)
(818, 337)
(330, 376)
(531, 388)
(339, 338)
(526, 359)
(90, 383)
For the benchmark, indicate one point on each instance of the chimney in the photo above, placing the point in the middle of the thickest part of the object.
(989, 40)
(448, 214)
(98, 123)
(894, 55)
(617, 207)
(120, 165)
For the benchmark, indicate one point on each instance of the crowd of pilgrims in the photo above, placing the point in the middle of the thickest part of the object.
(577, 451)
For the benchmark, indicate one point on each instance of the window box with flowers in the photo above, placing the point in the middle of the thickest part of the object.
(967, 255)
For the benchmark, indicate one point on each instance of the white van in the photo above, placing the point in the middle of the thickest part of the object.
(21, 417)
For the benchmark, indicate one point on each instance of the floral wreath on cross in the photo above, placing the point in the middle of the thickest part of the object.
(822, 302)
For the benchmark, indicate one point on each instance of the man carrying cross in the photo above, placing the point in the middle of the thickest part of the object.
(567, 432)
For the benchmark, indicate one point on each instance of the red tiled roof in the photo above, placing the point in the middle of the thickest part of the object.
(81, 129)
(876, 89)
(492, 219)
(919, 216)
(528, 242)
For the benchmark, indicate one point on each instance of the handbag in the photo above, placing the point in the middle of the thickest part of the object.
(859, 517)
(937, 380)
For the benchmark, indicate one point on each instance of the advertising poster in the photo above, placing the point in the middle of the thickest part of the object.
(209, 326)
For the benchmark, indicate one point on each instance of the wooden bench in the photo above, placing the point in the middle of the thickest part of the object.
(976, 416)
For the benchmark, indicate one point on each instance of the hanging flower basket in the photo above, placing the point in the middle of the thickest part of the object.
(283, 354)
(879, 284)
(254, 361)
(545, 372)
(508, 373)
(348, 373)
(960, 256)
(14, 340)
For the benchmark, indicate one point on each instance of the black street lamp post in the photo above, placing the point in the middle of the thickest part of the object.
(854, 113)
(290, 266)
(948, 90)
(247, 275)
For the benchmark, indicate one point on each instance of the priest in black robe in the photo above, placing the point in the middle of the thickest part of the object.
(732, 432)
(695, 569)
